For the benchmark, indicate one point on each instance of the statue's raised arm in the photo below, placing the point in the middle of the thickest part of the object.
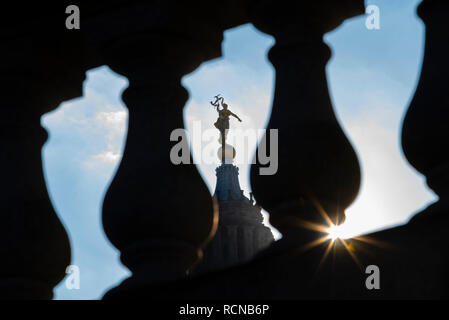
(216, 103)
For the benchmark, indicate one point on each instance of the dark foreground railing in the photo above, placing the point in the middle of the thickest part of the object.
(160, 215)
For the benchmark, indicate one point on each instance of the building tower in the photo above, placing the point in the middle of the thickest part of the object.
(240, 234)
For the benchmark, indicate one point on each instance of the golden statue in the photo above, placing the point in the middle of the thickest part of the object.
(222, 122)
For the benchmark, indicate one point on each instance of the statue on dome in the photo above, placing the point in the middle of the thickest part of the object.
(222, 122)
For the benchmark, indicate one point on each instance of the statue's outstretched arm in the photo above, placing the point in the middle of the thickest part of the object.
(236, 116)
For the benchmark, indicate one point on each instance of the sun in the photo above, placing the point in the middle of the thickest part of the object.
(335, 232)
(332, 232)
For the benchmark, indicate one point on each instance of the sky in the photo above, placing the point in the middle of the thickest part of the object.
(371, 76)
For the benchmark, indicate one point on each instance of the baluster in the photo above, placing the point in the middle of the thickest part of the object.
(425, 136)
(425, 128)
(41, 68)
(159, 214)
(317, 165)
(412, 257)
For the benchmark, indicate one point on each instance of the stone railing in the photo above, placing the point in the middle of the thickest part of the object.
(154, 44)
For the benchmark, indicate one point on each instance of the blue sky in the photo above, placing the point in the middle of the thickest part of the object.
(372, 76)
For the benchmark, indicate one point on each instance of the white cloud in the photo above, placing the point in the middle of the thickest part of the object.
(391, 191)
(112, 120)
(113, 124)
(103, 163)
(92, 128)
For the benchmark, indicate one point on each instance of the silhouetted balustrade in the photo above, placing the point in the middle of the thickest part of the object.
(159, 214)
(41, 66)
(318, 169)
